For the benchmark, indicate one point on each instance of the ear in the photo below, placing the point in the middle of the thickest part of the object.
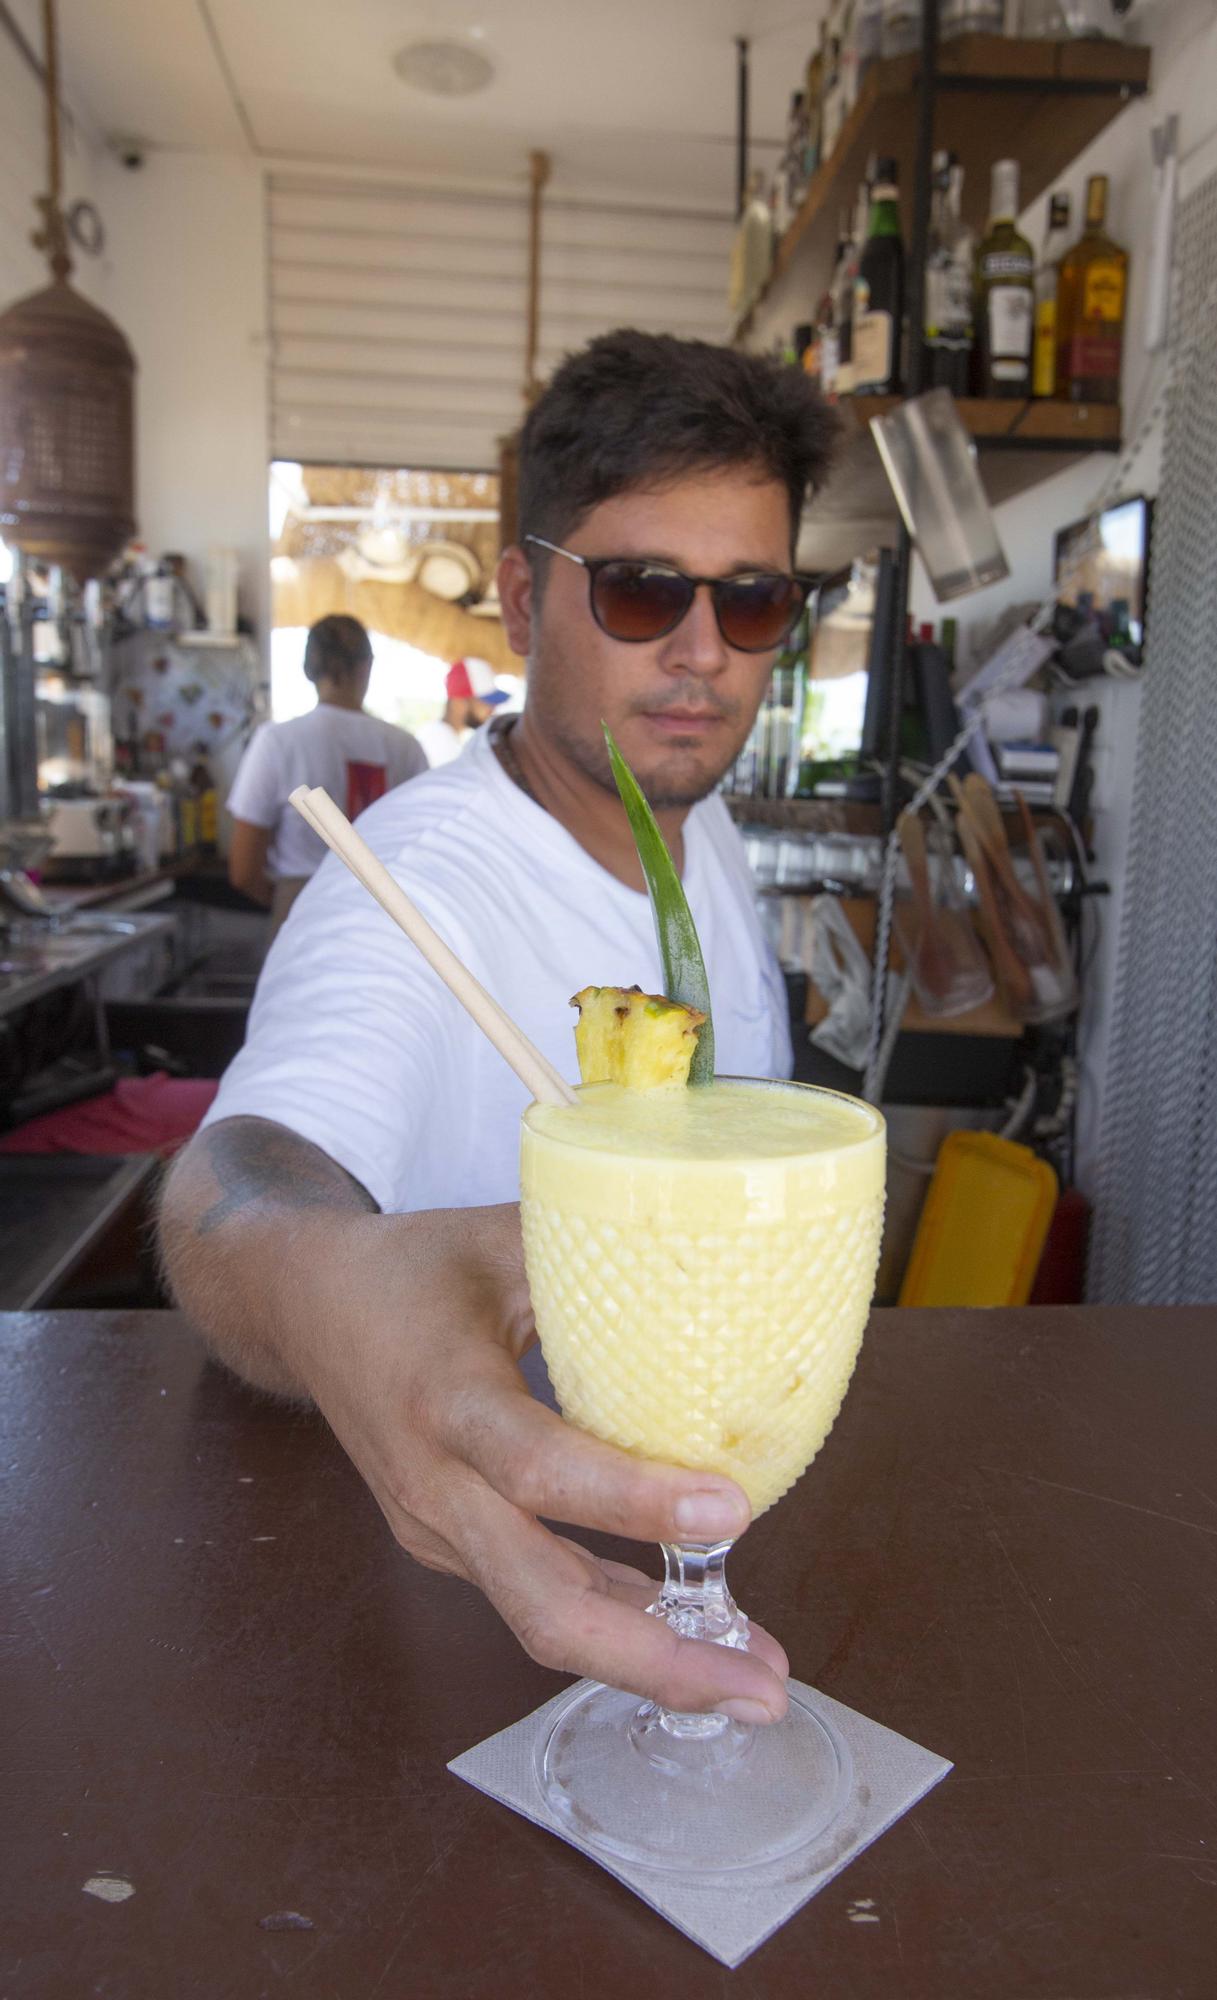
(515, 598)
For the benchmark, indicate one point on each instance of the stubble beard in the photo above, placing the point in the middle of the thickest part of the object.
(667, 786)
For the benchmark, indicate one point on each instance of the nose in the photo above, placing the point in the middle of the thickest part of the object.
(696, 646)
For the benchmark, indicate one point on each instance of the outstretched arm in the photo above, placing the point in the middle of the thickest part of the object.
(406, 1330)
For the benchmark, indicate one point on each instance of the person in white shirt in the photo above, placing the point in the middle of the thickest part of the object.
(344, 1227)
(355, 756)
(473, 695)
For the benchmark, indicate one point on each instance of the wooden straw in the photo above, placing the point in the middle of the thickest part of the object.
(317, 808)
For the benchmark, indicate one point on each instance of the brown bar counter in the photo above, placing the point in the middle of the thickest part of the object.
(225, 1686)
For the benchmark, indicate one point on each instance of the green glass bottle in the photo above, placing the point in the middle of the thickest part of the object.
(1005, 293)
(878, 315)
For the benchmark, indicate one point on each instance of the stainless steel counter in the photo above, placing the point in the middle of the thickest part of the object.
(36, 958)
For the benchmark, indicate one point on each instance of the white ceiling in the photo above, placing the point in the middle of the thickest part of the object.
(634, 93)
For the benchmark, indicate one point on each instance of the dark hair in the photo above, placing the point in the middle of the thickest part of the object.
(633, 409)
(336, 646)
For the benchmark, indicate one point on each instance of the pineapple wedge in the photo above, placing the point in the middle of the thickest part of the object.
(641, 1040)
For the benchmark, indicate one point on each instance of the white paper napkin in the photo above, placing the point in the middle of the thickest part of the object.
(731, 1915)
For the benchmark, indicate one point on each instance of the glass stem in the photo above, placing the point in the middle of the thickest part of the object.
(697, 1604)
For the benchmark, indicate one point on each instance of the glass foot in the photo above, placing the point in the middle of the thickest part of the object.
(637, 1784)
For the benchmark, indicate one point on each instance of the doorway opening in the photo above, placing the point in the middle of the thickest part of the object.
(412, 555)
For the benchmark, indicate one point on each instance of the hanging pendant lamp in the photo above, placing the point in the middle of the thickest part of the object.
(67, 419)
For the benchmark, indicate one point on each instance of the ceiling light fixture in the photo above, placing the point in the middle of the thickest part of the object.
(444, 69)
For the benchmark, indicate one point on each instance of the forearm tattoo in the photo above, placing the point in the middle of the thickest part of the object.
(262, 1165)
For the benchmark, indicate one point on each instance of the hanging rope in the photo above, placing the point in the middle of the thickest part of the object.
(52, 238)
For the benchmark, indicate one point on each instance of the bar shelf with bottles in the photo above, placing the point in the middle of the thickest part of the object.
(1030, 344)
(1038, 101)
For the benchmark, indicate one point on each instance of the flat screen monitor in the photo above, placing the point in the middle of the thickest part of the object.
(1102, 565)
(838, 678)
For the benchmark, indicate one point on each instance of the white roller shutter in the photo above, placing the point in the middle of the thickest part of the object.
(398, 312)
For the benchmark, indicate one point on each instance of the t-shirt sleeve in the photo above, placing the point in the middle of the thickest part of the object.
(353, 1042)
(257, 790)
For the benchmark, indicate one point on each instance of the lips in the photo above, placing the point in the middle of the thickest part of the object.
(684, 721)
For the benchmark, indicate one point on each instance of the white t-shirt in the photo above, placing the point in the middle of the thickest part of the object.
(356, 757)
(440, 741)
(356, 1044)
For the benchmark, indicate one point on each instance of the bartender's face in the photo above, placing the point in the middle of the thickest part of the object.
(680, 706)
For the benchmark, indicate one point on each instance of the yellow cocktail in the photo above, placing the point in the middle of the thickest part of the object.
(701, 1265)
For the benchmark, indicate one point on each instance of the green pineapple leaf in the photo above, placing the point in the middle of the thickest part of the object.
(684, 968)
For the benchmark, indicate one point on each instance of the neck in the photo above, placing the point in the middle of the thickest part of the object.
(591, 815)
(454, 714)
(338, 697)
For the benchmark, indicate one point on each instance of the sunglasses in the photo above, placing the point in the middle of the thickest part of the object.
(633, 599)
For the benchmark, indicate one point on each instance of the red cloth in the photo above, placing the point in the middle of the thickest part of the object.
(142, 1114)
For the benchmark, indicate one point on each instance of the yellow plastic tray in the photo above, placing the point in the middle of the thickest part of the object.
(983, 1226)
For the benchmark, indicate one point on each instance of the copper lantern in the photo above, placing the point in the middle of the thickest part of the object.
(67, 434)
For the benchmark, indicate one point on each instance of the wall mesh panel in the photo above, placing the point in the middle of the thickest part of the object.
(1156, 1218)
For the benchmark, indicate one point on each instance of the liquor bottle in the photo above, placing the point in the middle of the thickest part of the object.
(879, 292)
(971, 17)
(833, 115)
(847, 22)
(751, 250)
(1091, 298)
(844, 295)
(795, 158)
(815, 84)
(1047, 278)
(948, 283)
(828, 330)
(868, 40)
(779, 203)
(1005, 292)
(901, 27)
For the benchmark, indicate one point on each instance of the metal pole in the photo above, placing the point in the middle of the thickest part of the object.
(923, 174)
(741, 124)
(52, 237)
(538, 175)
(914, 383)
(23, 750)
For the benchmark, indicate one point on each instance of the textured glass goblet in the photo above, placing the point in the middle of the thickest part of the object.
(701, 1266)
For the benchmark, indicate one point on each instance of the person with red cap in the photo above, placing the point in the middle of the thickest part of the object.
(472, 695)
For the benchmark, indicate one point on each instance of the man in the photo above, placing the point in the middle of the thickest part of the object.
(355, 756)
(317, 1227)
(473, 695)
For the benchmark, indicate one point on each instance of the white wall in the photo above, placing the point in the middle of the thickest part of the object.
(186, 275)
(1183, 34)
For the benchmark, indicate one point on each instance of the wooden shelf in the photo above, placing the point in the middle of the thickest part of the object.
(1040, 103)
(1019, 444)
(806, 815)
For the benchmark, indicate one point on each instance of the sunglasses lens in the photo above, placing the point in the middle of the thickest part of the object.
(757, 612)
(635, 601)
